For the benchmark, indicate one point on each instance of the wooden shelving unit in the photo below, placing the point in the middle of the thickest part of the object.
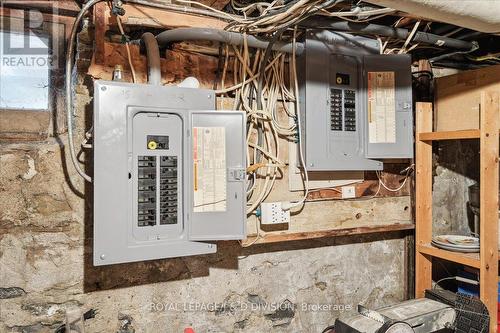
(487, 259)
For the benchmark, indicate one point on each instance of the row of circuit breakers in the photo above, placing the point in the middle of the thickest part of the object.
(169, 170)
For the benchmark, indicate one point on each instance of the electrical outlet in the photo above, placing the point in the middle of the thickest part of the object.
(348, 192)
(272, 213)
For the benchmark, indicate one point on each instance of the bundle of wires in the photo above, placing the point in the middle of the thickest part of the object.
(262, 17)
(277, 16)
(265, 125)
(265, 82)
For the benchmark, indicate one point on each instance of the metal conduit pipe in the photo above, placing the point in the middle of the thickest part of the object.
(69, 85)
(382, 30)
(232, 38)
(153, 55)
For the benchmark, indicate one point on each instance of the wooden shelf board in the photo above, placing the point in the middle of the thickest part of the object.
(468, 259)
(276, 237)
(449, 135)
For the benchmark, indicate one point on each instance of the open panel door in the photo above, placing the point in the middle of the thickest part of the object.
(217, 188)
(389, 125)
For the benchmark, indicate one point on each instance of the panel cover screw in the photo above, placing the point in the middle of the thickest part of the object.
(102, 257)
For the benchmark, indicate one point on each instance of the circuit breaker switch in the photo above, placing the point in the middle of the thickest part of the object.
(168, 191)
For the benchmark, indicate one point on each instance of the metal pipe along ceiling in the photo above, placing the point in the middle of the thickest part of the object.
(382, 30)
(232, 38)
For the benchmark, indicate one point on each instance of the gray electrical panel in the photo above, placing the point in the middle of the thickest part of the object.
(167, 173)
(356, 104)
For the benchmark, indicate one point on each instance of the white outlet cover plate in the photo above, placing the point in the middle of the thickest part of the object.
(348, 192)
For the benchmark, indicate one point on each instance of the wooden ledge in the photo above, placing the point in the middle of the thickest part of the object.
(276, 237)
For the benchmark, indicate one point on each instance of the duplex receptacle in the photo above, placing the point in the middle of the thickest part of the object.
(273, 213)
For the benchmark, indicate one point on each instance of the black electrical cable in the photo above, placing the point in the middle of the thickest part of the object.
(219, 68)
(469, 35)
(475, 46)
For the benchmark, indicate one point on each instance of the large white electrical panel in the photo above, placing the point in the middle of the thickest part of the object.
(356, 104)
(169, 172)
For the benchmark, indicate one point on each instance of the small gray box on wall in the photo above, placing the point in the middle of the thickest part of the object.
(356, 104)
(167, 173)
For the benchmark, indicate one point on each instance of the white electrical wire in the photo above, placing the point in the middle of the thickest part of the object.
(275, 16)
(229, 16)
(408, 170)
(257, 236)
(368, 15)
(267, 119)
(410, 37)
(127, 46)
(290, 205)
(246, 73)
(249, 9)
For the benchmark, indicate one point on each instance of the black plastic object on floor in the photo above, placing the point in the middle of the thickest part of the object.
(472, 315)
(441, 295)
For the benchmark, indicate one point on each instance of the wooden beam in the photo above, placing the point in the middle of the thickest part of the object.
(176, 66)
(24, 125)
(101, 14)
(162, 18)
(488, 280)
(423, 196)
(369, 187)
(144, 16)
(217, 4)
(297, 236)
